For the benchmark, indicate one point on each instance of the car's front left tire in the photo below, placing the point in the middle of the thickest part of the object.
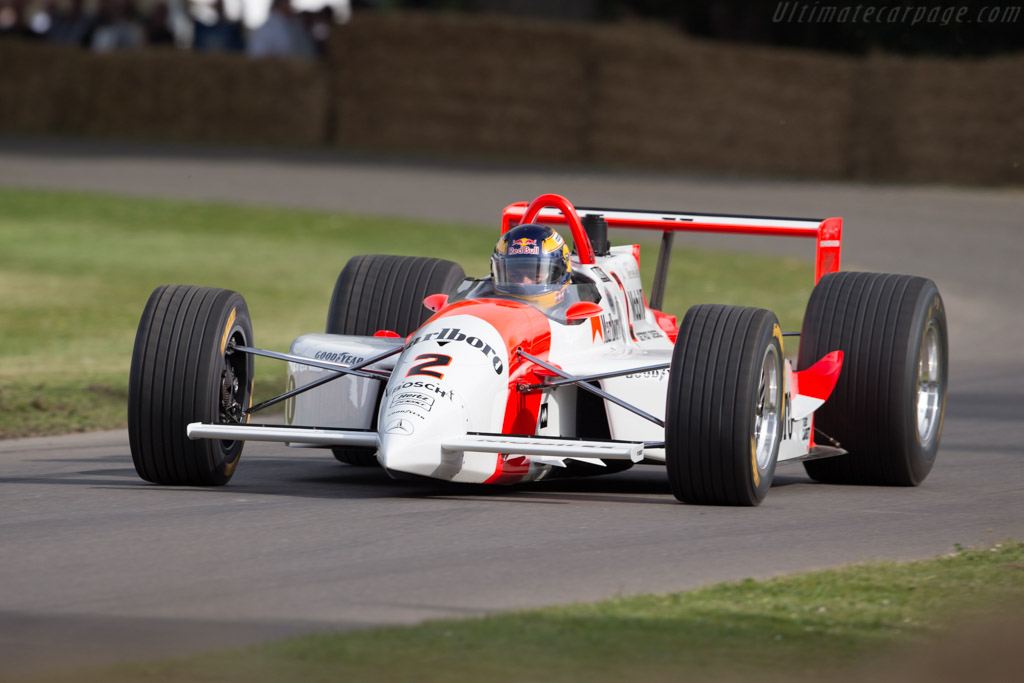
(889, 404)
(724, 409)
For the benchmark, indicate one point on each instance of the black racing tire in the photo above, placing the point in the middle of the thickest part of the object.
(724, 410)
(183, 371)
(892, 332)
(380, 292)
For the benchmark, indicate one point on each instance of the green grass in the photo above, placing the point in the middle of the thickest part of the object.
(76, 270)
(805, 627)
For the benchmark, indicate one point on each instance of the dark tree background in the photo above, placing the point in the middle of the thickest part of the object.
(756, 21)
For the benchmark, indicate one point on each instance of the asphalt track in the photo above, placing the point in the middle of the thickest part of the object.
(96, 565)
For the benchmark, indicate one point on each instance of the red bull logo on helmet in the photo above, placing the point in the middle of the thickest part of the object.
(523, 245)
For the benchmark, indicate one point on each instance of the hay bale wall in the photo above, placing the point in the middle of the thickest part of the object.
(646, 96)
(939, 120)
(161, 94)
(637, 95)
(669, 102)
(462, 85)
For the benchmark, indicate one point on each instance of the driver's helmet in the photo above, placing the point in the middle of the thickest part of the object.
(531, 262)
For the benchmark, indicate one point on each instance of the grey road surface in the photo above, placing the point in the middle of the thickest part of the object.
(96, 565)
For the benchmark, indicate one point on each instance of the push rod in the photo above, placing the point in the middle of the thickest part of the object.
(592, 389)
(341, 372)
(323, 365)
(600, 375)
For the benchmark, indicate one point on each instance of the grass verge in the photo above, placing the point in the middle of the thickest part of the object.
(807, 627)
(76, 270)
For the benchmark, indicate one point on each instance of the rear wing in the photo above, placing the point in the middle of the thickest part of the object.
(552, 208)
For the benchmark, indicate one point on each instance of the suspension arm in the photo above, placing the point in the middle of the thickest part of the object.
(588, 378)
(340, 371)
(323, 365)
(592, 389)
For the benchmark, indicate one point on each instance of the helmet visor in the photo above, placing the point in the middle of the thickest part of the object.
(529, 275)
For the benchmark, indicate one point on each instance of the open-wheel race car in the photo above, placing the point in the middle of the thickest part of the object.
(558, 364)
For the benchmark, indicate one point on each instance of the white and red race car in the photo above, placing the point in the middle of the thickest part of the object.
(427, 373)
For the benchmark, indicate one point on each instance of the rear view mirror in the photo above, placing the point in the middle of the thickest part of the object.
(582, 310)
(435, 302)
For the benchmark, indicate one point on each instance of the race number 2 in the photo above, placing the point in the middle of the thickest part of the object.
(430, 360)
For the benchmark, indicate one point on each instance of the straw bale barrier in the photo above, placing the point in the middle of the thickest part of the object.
(684, 104)
(635, 94)
(162, 94)
(461, 84)
(939, 120)
(642, 95)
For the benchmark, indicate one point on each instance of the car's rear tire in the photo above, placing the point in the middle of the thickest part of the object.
(888, 407)
(724, 411)
(183, 370)
(379, 292)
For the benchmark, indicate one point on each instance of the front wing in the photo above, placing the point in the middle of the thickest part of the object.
(544, 450)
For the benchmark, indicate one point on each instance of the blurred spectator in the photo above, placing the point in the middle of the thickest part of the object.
(282, 35)
(319, 28)
(73, 26)
(117, 27)
(42, 21)
(223, 35)
(158, 29)
(12, 20)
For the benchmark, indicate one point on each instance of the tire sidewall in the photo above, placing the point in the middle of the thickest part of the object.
(234, 324)
(711, 406)
(928, 307)
(760, 478)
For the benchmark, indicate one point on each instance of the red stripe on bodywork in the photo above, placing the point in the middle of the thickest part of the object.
(520, 326)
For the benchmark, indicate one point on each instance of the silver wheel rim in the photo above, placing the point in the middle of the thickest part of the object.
(929, 380)
(767, 417)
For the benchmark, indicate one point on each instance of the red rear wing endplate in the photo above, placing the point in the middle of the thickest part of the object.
(552, 208)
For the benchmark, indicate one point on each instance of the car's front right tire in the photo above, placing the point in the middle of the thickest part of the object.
(183, 370)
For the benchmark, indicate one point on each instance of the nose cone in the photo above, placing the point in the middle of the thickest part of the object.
(452, 378)
(413, 422)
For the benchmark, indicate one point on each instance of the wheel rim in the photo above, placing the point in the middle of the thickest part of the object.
(767, 412)
(233, 383)
(929, 380)
(233, 389)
